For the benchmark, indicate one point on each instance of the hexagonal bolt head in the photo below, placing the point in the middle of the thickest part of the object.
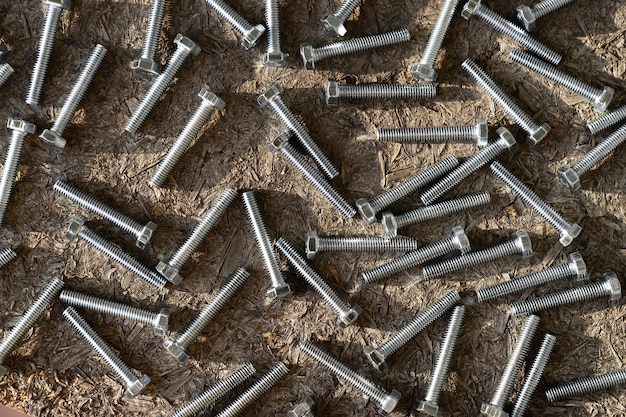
(366, 210)
(64, 4)
(332, 92)
(311, 244)
(511, 143)
(524, 243)
(75, 227)
(482, 132)
(308, 56)
(21, 126)
(376, 359)
(567, 236)
(270, 94)
(613, 285)
(161, 322)
(275, 59)
(389, 403)
(578, 266)
(4, 54)
(470, 9)
(139, 385)
(492, 411)
(279, 292)
(303, 409)
(538, 135)
(146, 235)
(53, 138)
(526, 17)
(175, 350)
(348, 319)
(424, 72)
(461, 239)
(211, 99)
(188, 44)
(334, 24)
(169, 272)
(251, 38)
(428, 407)
(277, 144)
(389, 224)
(146, 64)
(602, 102)
(569, 177)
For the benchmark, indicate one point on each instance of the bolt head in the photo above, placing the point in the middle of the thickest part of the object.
(169, 272)
(161, 322)
(311, 244)
(470, 9)
(389, 403)
(279, 292)
(526, 17)
(424, 72)
(492, 411)
(366, 210)
(428, 407)
(3, 371)
(333, 24)
(602, 102)
(507, 138)
(303, 409)
(188, 44)
(275, 59)
(21, 125)
(53, 138)
(612, 285)
(64, 4)
(145, 235)
(567, 236)
(277, 144)
(136, 387)
(578, 266)
(212, 99)
(375, 358)
(270, 94)
(461, 239)
(176, 350)
(390, 224)
(523, 243)
(482, 132)
(251, 38)
(348, 319)
(75, 227)
(538, 135)
(4, 54)
(332, 92)
(146, 64)
(308, 56)
(569, 177)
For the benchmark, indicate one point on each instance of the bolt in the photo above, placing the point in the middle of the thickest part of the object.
(158, 320)
(178, 347)
(146, 62)
(281, 144)
(77, 228)
(369, 209)
(251, 34)
(386, 402)
(310, 56)
(471, 165)
(143, 233)
(528, 16)
(170, 267)
(303, 409)
(430, 404)
(54, 135)
(601, 123)
(347, 314)
(6, 256)
(5, 72)
(315, 244)
(335, 91)
(184, 47)
(4, 54)
(609, 286)
(274, 57)
(586, 385)
(335, 22)
(209, 103)
(272, 97)
(535, 132)
(279, 288)
(477, 134)
(27, 322)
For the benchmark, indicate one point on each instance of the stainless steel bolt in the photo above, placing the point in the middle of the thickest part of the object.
(6, 256)
(315, 244)
(335, 91)
(146, 62)
(604, 122)
(335, 22)
(347, 314)
(528, 16)
(251, 34)
(171, 266)
(477, 134)
(303, 409)
(6, 71)
(586, 385)
(386, 402)
(274, 57)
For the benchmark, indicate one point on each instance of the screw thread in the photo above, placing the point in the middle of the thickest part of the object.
(439, 32)
(586, 385)
(11, 162)
(548, 6)
(6, 256)
(366, 244)
(387, 91)
(428, 134)
(5, 72)
(610, 119)
(361, 44)
(230, 15)
(600, 151)
(155, 22)
(272, 19)
(345, 9)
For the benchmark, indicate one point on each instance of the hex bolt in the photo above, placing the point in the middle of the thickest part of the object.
(310, 55)
(6, 71)
(315, 244)
(586, 385)
(457, 241)
(171, 266)
(146, 62)
(510, 29)
(506, 141)
(6, 255)
(387, 402)
(281, 144)
(279, 288)
(604, 122)
(575, 267)
(608, 286)
(184, 47)
(335, 22)
(535, 132)
(27, 322)
(272, 98)
(4, 53)
(177, 347)
(528, 16)
(520, 244)
(495, 408)
(335, 91)
(369, 209)
(143, 233)
(159, 321)
(378, 355)
(46, 43)
(568, 231)
(274, 57)
(209, 103)
(347, 314)
(303, 409)
(477, 134)
(77, 228)
(430, 404)
(54, 135)
(251, 34)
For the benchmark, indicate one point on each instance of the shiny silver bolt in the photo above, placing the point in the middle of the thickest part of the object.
(274, 57)
(586, 385)
(336, 91)
(335, 22)
(609, 119)
(303, 409)
(6, 71)
(7, 255)
(251, 34)
(528, 16)
(146, 62)
(477, 134)
(315, 244)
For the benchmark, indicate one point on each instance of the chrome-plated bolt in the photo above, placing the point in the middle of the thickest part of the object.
(430, 404)
(146, 62)
(46, 43)
(303, 409)
(251, 34)
(310, 55)
(159, 321)
(171, 266)
(335, 22)
(568, 231)
(586, 385)
(134, 385)
(279, 287)
(274, 57)
(477, 134)
(77, 228)
(178, 347)
(143, 233)
(272, 98)
(575, 267)
(604, 122)
(535, 132)
(6, 256)
(39, 306)
(6, 71)
(184, 47)
(520, 244)
(608, 286)
(54, 135)
(335, 91)
(506, 141)
(210, 102)
(510, 29)
(378, 355)
(385, 401)
(347, 314)
(369, 209)
(281, 144)
(528, 16)
(315, 244)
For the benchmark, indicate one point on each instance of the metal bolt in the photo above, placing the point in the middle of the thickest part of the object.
(535, 132)
(272, 98)
(315, 244)
(5, 72)
(146, 62)
(251, 34)
(39, 306)
(54, 135)
(4, 53)
(178, 347)
(609, 286)
(528, 16)
(158, 320)
(274, 57)
(520, 244)
(210, 102)
(303, 409)
(335, 91)
(279, 287)
(143, 233)
(335, 21)
(77, 228)
(430, 404)
(471, 165)
(310, 56)
(604, 122)
(347, 314)
(184, 47)
(281, 144)
(586, 385)
(378, 355)
(46, 43)
(6, 256)
(477, 134)
(386, 402)
(171, 266)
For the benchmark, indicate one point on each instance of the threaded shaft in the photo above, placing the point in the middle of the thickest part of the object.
(386, 91)
(346, 8)
(5, 72)
(9, 172)
(366, 244)
(272, 20)
(548, 6)
(230, 15)
(151, 41)
(439, 32)
(428, 134)
(361, 44)
(610, 119)
(6, 256)
(586, 385)
(600, 151)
